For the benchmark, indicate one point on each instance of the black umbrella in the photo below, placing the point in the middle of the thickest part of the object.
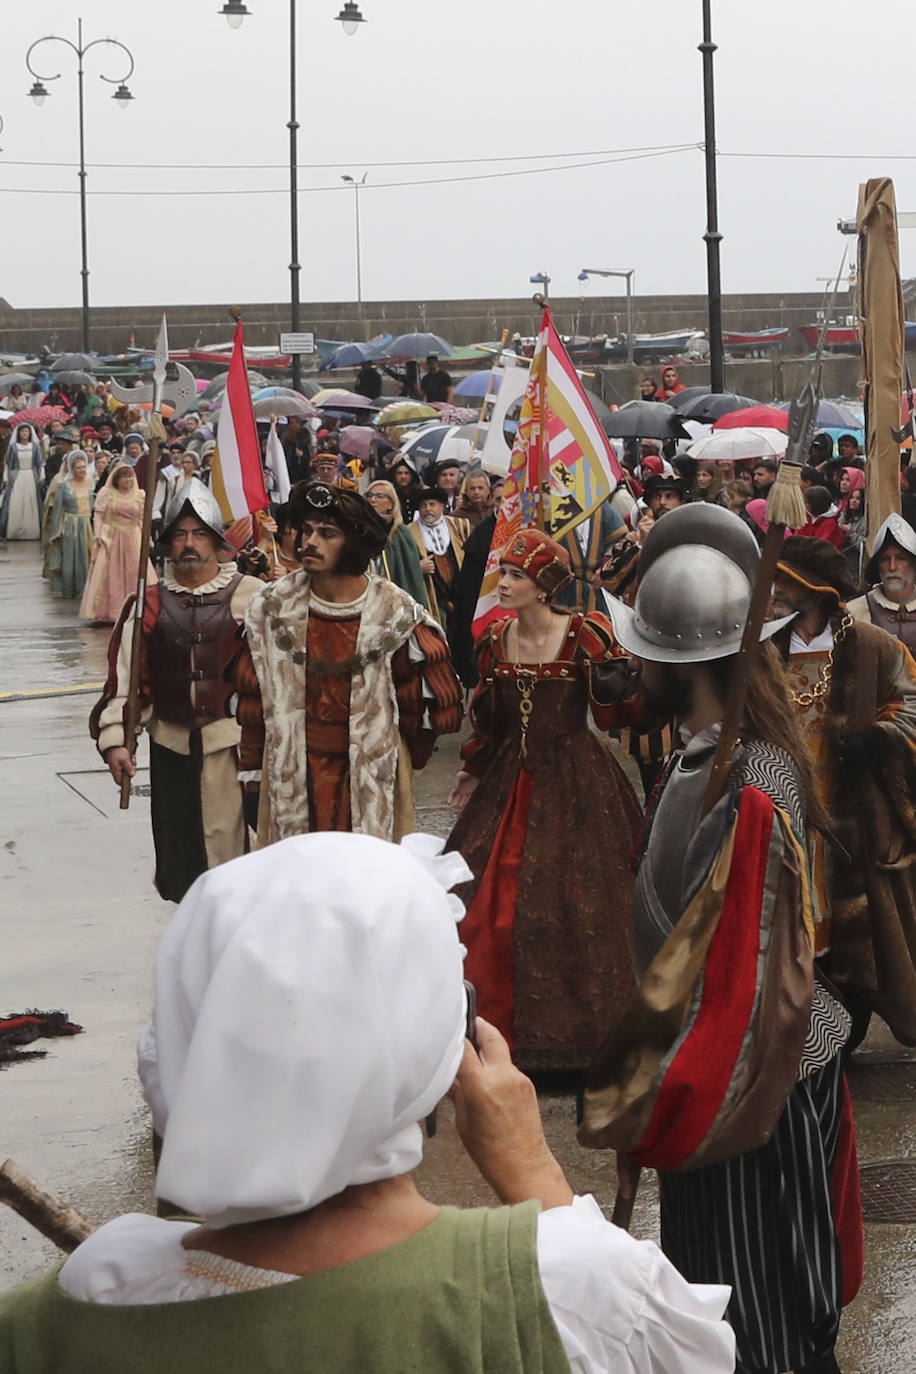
(707, 409)
(84, 362)
(601, 408)
(644, 420)
(690, 393)
(74, 377)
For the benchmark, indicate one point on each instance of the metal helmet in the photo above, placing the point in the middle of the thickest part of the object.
(193, 498)
(696, 575)
(895, 530)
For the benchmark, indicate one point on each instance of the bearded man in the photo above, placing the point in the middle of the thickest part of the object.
(345, 684)
(440, 540)
(854, 691)
(891, 575)
(726, 1073)
(192, 619)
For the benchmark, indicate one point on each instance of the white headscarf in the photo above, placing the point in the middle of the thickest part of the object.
(309, 1013)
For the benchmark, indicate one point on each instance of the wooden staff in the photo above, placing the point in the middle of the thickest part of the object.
(50, 1215)
(132, 721)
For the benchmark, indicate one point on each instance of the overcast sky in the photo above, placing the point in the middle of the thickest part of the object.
(436, 84)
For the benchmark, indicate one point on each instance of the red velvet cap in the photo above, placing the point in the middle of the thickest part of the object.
(544, 560)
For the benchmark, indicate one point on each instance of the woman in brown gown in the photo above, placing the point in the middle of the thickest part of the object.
(549, 819)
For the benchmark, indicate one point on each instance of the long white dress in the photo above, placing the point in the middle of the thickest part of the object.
(21, 507)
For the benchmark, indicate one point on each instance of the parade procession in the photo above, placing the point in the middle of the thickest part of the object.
(459, 826)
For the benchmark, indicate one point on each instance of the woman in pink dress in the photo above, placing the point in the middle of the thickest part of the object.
(118, 517)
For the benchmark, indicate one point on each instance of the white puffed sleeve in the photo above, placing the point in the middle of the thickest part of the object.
(621, 1307)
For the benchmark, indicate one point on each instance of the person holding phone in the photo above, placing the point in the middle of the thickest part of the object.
(309, 1013)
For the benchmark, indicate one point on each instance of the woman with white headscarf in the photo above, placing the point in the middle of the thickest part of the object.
(20, 509)
(309, 1012)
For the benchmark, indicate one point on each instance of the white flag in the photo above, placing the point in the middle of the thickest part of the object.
(275, 460)
(497, 446)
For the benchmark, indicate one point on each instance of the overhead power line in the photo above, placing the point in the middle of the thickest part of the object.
(370, 186)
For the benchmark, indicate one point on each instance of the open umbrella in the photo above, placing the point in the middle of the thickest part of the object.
(417, 346)
(754, 417)
(455, 415)
(343, 400)
(84, 362)
(290, 404)
(439, 442)
(9, 379)
(644, 420)
(74, 377)
(39, 415)
(740, 445)
(683, 398)
(831, 415)
(709, 408)
(601, 408)
(405, 413)
(477, 384)
(354, 354)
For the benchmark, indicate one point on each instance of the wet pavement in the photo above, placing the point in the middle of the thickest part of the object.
(80, 925)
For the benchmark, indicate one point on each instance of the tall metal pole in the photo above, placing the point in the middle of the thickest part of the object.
(84, 235)
(630, 339)
(293, 197)
(359, 266)
(712, 236)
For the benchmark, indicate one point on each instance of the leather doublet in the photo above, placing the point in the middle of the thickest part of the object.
(189, 650)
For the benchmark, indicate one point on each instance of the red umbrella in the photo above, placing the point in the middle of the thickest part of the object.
(39, 415)
(755, 417)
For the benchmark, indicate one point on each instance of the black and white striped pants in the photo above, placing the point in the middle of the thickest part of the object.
(764, 1224)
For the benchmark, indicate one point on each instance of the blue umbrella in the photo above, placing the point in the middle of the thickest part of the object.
(418, 346)
(830, 415)
(354, 354)
(477, 384)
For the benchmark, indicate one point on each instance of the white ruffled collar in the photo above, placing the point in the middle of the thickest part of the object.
(216, 584)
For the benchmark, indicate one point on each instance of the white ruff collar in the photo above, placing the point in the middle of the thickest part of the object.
(216, 584)
(437, 537)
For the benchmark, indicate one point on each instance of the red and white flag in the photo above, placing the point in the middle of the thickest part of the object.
(562, 466)
(237, 479)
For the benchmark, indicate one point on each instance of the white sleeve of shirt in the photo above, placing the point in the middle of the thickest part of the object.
(620, 1306)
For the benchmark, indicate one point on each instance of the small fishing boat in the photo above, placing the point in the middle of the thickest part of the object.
(746, 345)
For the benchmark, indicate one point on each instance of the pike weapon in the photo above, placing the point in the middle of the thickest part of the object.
(132, 719)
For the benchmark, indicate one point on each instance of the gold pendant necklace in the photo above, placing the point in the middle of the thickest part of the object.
(525, 678)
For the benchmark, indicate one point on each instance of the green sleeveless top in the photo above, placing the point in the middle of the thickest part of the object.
(462, 1295)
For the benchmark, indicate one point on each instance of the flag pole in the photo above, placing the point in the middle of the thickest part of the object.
(132, 717)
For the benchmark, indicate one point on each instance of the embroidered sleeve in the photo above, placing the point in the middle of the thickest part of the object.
(611, 681)
(249, 714)
(108, 719)
(429, 694)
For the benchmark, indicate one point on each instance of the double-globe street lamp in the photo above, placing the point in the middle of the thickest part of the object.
(628, 273)
(122, 98)
(234, 12)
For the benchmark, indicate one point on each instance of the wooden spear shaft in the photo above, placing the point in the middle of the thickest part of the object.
(132, 723)
(50, 1215)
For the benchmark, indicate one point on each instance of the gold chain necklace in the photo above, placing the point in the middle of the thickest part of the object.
(807, 699)
(525, 678)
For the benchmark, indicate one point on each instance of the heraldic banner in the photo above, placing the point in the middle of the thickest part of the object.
(562, 466)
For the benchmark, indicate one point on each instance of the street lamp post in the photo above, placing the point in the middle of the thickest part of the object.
(628, 274)
(352, 181)
(712, 236)
(234, 12)
(122, 98)
(544, 280)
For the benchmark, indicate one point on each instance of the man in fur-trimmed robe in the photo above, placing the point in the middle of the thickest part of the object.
(191, 633)
(854, 690)
(344, 685)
